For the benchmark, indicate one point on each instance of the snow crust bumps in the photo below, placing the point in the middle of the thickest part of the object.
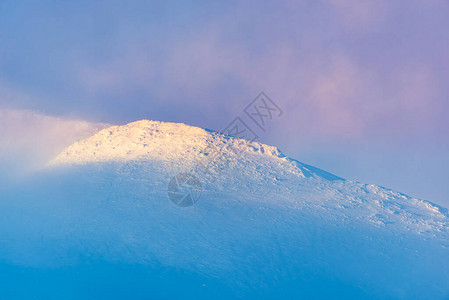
(180, 144)
(146, 139)
(138, 140)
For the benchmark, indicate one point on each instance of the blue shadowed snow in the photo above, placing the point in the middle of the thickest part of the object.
(91, 232)
(99, 225)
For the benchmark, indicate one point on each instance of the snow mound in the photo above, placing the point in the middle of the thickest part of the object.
(176, 143)
(143, 140)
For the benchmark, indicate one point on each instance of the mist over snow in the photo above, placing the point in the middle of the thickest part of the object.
(28, 140)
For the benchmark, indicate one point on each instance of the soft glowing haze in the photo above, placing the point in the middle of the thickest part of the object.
(363, 84)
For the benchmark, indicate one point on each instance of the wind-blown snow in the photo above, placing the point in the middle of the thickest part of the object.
(268, 227)
(29, 139)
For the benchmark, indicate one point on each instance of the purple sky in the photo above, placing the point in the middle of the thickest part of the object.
(363, 84)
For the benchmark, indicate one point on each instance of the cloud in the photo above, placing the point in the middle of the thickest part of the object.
(361, 15)
(133, 69)
(333, 99)
(340, 69)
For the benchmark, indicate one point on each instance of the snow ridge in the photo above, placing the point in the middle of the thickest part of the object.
(147, 140)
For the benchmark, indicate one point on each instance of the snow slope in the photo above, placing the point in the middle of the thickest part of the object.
(98, 221)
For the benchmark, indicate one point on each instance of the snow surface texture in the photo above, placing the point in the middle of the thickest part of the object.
(98, 222)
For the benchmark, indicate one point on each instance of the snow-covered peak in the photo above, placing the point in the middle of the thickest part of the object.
(181, 144)
(161, 141)
(137, 140)
(179, 147)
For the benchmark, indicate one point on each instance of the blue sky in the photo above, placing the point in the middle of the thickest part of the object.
(363, 84)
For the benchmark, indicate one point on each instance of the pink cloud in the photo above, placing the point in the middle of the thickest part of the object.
(361, 15)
